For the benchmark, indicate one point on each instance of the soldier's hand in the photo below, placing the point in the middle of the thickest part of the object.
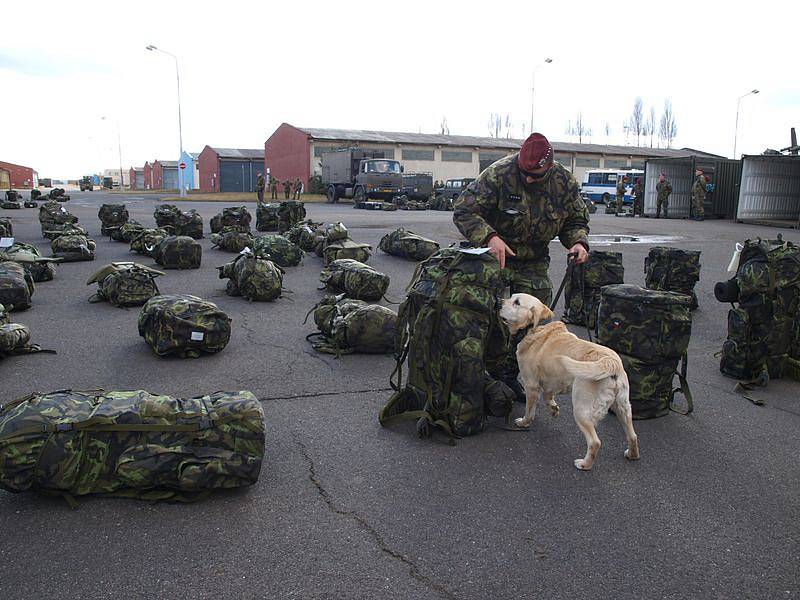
(582, 254)
(500, 250)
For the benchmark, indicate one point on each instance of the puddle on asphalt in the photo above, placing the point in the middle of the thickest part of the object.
(602, 239)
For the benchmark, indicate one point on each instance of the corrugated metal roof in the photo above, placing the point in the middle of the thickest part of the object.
(394, 137)
(168, 163)
(239, 152)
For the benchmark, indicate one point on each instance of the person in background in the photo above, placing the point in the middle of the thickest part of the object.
(699, 195)
(298, 188)
(261, 184)
(287, 188)
(621, 184)
(663, 190)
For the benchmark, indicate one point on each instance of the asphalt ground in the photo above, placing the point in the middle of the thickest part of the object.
(347, 509)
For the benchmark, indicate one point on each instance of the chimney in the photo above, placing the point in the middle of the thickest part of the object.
(794, 148)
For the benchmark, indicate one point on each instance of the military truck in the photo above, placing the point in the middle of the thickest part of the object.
(86, 184)
(418, 186)
(360, 174)
(453, 187)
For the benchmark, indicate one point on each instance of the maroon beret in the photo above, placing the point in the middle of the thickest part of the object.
(535, 153)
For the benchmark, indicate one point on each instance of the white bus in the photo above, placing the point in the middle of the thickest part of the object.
(600, 185)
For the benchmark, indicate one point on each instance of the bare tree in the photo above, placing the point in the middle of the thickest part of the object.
(607, 130)
(626, 129)
(444, 127)
(651, 124)
(507, 125)
(495, 125)
(636, 121)
(668, 128)
(579, 128)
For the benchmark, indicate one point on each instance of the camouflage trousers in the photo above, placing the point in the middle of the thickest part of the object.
(620, 203)
(697, 206)
(274, 194)
(260, 195)
(659, 203)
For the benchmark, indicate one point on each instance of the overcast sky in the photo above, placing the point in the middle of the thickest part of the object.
(395, 66)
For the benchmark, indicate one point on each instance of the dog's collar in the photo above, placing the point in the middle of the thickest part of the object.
(541, 323)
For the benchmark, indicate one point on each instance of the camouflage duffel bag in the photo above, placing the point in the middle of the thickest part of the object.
(673, 270)
(290, 212)
(16, 286)
(126, 232)
(267, 217)
(183, 325)
(41, 268)
(73, 248)
(130, 444)
(230, 239)
(414, 205)
(346, 325)
(16, 339)
(407, 244)
(178, 252)
(30, 204)
(10, 205)
(278, 249)
(346, 249)
(6, 228)
(190, 224)
(51, 231)
(147, 240)
(650, 330)
(124, 284)
(232, 216)
(303, 235)
(582, 290)
(166, 215)
(354, 279)
(112, 216)
(253, 278)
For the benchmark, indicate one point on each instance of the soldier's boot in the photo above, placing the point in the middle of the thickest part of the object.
(665, 213)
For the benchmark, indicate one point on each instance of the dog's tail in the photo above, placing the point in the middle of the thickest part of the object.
(593, 370)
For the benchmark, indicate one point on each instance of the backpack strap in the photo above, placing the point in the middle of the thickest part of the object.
(683, 388)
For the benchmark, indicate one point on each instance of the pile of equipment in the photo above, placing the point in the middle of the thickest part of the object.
(73, 245)
(112, 217)
(52, 217)
(232, 216)
(188, 223)
(334, 242)
(290, 212)
(41, 268)
(145, 241)
(58, 194)
(127, 232)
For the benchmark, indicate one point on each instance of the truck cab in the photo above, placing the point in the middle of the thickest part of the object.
(86, 184)
(361, 175)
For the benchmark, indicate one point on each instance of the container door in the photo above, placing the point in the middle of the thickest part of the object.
(232, 176)
(171, 178)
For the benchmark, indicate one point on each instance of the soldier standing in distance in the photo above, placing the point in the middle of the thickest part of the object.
(516, 206)
(261, 184)
(638, 197)
(621, 194)
(298, 186)
(287, 188)
(699, 195)
(663, 189)
(273, 187)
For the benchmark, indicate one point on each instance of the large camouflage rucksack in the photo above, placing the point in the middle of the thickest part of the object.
(73, 247)
(147, 240)
(41, 268)
(231, 239)
(6, 228)
(304, 234)
(127, 231)
(16, 286)
(441, 203)
(131, 444)
(52, 217)
(252, 278)
(15, 339)
(58, 194)
(450, 334)
(178, 252)
(166, 215)
(124, 284)
(267, 217)
(10, 204)
(407, 244)
(764, 324)
(290, 212)
(673, 270)
(112, 217)
(232, 216)
(35, 194)
(13, 196)
(354, 279)
(183, 325)
(650, 331)
(188, 223)
(333, 242)
(347, 325)
(582, 290)
(278, 249)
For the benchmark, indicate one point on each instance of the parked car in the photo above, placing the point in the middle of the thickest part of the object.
(453, 187)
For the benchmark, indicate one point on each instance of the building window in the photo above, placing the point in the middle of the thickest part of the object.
(320, 150)
(637, 164)
(583, 161)
(616, 163)
(456, 156)
(492, 156)
(417, 154)
(387, 152)
(564, 159)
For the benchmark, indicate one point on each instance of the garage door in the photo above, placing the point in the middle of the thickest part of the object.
(139, 180)
(5, 180)
(238, 175)
(171, 178)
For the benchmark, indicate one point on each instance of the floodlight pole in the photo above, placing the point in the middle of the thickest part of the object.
(547, 61)
(119, 147)
(736, 127)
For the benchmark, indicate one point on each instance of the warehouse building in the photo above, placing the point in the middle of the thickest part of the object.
(136, 178)
(165, 175)
(230, 169)
(191, 174)
(297, 152)
(17, 176)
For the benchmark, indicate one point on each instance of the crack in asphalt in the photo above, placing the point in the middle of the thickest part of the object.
(319, 394)
(413, 569)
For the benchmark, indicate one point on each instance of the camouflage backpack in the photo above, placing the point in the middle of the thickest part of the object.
(52, 217)
(290, 212)
(346, 249)
(407, 244)
(73, 247)
(230, 239)
(13, 195)
(441, 203)
(584, 282)
(764, 323)
(650, 331)
(10, 204)
(16, 286)
(131, 444)
(58, 194)
(178, 252)
(190, 224)
(304, 234)
(252, 278)
(355, 279)
(267, 217)
(124, 284)
(40, 268)
(147, 240)
(183, 325)
(166, 215)
(450, 334)
(346, 326)
(413, 205)
(278, 249)
(673, 270)
(232, 216)
(35, 194)
(127, 231)
(16, 339)
(6, 228)
(30, 204)
(112, 217)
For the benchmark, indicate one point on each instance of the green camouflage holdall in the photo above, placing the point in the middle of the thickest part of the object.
(15, 339)
(407, 244)
(650, 331)
(290, 212)
(112, 217)
(231, 239)
(147, 240)
(673, 270)
(346, 249)
(178, 252)
(278, 249)
(124, 284)
(354, 279)
(126, 232)
(267, 217)
(52, 217)
(9, 205)
(584, 282)
(255, 279)
(450, 334)
(166, 215)
(232, 216)
(40, 267)
(6, 228)
(73, 247)
(347, 325)
(130, 444)
(190, 224)
(304, 234)
(16, 286)
(183, 325)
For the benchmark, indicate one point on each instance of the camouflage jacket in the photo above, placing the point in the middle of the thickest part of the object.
(260, 183)
(663, 189)
(526, 217)
(287, 185)
(638, 190)
(620, 188)
(699, 187)
(273, 184)
(298, 185)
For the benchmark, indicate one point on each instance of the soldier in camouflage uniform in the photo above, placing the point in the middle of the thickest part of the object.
(663, 189)
(273, 187)
(621, 194)
(261, 184)
(638, 197)
(298, 186)
(699, 195)
(287, 188)
(516, 207)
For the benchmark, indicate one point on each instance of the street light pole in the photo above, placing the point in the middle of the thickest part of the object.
(180, 127)
(119, 147)
(736, 127)
(547, 61)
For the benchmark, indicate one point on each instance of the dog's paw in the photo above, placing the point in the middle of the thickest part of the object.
(555, 410)
(581, 464)
(631, 455)
(522, 422)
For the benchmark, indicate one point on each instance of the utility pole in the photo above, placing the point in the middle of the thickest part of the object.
(736, 128)
(547, 61)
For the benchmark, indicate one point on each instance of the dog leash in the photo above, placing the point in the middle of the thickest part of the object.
(570, 264)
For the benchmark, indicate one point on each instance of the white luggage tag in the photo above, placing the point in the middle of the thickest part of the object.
(6, 242)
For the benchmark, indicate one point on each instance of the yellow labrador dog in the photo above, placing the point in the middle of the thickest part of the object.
(551, 360)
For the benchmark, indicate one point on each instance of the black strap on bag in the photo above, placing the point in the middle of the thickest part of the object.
(683, 388)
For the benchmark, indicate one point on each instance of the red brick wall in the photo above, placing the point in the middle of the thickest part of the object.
(21, 177)
(286, 154)
(208, 165)
(148, 176)
(158, 176)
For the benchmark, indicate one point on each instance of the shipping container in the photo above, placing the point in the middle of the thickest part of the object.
(770, 191)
